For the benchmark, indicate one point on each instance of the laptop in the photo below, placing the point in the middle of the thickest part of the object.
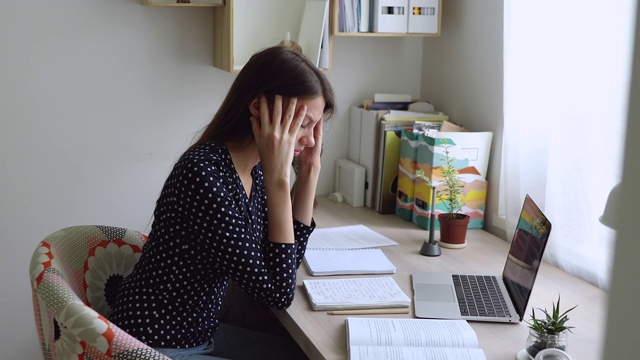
(439, 295)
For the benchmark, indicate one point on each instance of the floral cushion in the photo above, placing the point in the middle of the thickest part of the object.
(75, 273)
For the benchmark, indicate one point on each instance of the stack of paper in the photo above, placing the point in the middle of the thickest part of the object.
(347, 262)
(347, 250)
(347, 237)
(355, 293)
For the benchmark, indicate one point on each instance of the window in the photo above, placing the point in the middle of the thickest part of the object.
(567, 75)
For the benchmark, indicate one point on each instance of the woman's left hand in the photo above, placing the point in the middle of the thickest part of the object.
(310, 156)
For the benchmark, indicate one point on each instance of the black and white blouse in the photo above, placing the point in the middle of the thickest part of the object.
(206, 230)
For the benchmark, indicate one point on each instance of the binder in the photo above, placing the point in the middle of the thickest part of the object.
(423, 16)
(364, 15)
(363, 130)
(387, 166)
(390, 16)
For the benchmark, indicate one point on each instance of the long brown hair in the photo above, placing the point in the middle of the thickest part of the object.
(275, 70)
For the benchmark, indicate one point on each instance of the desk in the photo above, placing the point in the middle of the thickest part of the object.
(323, 336)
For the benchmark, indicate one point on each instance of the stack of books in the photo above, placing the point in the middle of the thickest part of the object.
(374, 143)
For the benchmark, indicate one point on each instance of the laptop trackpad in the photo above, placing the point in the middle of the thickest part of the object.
(434, 292)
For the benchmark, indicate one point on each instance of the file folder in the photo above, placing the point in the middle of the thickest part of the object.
(424, 16)
(363, 130)
(390, 16)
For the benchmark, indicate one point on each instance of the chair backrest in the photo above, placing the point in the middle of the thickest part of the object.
(75, 274)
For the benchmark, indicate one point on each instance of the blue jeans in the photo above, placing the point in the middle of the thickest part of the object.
(232, 342)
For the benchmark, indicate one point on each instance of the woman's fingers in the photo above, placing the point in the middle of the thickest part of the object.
(277, 110)
(298, 120)
(265, 117)
(293, 117)
(285, 117)
(275, 116)
(317, 131)
(317, 137)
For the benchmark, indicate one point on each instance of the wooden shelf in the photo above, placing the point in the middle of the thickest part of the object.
(201, 3)
(361, 34)
(237, 34)
(235, 37)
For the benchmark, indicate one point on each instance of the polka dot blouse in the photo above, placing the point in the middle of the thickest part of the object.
(206, 230)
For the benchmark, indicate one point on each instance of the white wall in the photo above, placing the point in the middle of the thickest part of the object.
(98, 99)
(462, 75)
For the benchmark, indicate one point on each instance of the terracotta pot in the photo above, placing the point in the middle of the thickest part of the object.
(453, 232)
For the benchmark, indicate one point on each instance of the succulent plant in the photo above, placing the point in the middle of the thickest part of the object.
(553, 323)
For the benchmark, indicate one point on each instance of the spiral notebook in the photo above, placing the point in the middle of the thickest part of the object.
(321, 262)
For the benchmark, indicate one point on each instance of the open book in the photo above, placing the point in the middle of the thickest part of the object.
(355, 293)
(385, 338)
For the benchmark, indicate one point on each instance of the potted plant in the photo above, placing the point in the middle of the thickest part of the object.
(549, 331)
(453, 223)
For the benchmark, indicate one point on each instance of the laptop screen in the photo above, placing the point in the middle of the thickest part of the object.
(525, 254)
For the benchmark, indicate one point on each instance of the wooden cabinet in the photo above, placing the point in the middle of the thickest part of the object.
(243, 27)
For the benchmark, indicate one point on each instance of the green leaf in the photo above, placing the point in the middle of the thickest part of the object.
(553, 322)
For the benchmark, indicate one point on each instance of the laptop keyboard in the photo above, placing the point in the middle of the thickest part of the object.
(480, 295)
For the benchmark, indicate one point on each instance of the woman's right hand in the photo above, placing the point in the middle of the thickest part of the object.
(275, 134)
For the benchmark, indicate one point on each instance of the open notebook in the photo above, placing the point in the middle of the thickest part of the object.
(347, 250)
(321, 262)
(355, 293)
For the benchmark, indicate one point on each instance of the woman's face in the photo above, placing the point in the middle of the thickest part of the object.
(315, 112)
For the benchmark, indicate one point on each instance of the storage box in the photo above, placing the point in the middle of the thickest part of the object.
(424, 16)
(430, 158)
(390, 16)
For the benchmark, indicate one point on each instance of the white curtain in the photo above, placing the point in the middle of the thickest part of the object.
(567, 75)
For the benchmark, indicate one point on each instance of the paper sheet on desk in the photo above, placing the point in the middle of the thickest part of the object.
(355, 293)
(347, 237)
(323, 262)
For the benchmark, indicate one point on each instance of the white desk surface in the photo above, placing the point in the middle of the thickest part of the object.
(323, 336)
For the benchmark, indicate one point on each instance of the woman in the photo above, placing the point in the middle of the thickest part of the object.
(227, 211)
